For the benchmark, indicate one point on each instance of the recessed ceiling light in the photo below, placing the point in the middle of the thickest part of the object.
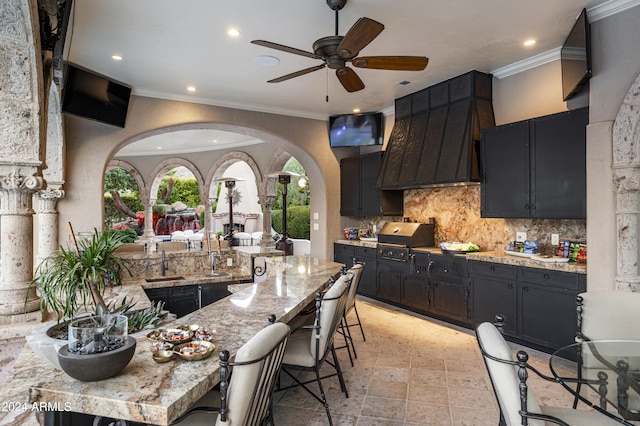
(191, 88)
(530, 42)
(159, 147)
(356, 110)
(116, 57)
(266, 60)
(232, 32)
(215, 141)
(404, 82)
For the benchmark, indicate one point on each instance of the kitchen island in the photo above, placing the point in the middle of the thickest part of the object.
(153, 393)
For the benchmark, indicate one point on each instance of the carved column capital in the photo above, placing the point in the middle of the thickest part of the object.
(16, 181)
(47, 199)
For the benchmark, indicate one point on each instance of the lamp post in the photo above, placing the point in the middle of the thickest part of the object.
(284, 243)
(230, 183)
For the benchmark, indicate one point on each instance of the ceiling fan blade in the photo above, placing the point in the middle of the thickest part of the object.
(349, 79)
(401, 63)
(296, 74)
(287, 49)
(359, 35)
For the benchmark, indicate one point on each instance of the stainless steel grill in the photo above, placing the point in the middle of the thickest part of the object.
(396, 239)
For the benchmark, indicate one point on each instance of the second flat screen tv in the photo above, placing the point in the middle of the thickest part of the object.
(90, 95)
(355, 129)
(575, 57)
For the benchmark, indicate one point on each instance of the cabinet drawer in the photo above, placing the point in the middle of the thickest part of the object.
(495, 270)
(343, 250)
(184, 290)
(365, 252)
(565, 280)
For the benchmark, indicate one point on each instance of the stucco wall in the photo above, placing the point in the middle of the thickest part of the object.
(91, 145)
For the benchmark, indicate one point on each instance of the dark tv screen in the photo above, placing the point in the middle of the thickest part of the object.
(355, 129)
(575, 57)
(94, 96)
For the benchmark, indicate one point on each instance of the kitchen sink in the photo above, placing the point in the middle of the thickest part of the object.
(161, 279)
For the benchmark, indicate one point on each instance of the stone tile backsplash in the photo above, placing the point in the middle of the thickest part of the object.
(457, 214)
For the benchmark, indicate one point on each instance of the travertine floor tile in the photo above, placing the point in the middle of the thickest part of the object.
(428, 414)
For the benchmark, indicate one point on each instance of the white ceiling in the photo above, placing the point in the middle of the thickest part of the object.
(169, 45)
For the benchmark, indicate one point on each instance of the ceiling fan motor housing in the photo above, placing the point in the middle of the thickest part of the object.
(336, 4)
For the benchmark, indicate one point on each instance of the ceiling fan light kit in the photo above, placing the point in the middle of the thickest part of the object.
(336, 51)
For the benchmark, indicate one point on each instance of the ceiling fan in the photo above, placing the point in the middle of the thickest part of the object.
(336, 51)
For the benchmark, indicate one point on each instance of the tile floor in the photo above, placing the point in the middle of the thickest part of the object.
(412, 370)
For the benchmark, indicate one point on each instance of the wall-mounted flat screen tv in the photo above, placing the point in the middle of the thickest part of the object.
(356, 129)
(90, 95)
(575, 57)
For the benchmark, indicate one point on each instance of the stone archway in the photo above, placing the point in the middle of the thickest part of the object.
(626, 170)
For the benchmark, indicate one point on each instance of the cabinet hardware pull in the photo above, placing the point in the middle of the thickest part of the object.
(510, 285)
(546, 276)
(493, 268)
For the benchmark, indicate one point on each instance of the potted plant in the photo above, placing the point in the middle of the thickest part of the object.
(72, 281)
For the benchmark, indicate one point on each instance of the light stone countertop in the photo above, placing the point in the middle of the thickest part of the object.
(492, 256)
(148, 392)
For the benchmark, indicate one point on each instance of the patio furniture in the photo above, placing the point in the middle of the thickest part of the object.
(518, 405)
(246, 399)
(309, 346)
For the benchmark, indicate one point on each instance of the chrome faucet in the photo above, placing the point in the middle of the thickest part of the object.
(165, 264)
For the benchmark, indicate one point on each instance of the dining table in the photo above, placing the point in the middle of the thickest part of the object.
(148, 392)
(604, 374)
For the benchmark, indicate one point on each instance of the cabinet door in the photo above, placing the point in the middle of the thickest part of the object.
(450, 300)
(504, 153)
(547, 315)
(343, 253)
(389, 284)
(493, 296)
(367, 257)
(370, 197)
(212, 292)
(558, 162)
(415, 292)
(350, 186)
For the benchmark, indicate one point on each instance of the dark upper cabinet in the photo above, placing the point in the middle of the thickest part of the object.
(536, 168)
(358, 196)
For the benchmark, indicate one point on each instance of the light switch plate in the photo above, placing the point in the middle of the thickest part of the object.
(521, 236)
(316, 216)
(316, 226)
(555, 239)
(230, 261)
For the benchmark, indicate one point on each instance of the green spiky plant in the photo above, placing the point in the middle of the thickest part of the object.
(71, 279)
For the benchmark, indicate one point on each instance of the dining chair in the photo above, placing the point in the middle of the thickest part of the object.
(309, 346)
(350, 305)
(518, 405)
(606, 315)
(245, 399)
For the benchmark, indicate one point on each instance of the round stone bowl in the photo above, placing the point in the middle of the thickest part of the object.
(94, 367)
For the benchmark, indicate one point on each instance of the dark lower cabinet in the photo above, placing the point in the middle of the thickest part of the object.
(547, 306)
(415, 292)
(69, 418)
(182, 300)
(450, 300)
(389, 284)
(494, 292)
(344, 253)
(367, 257)
(212, 292)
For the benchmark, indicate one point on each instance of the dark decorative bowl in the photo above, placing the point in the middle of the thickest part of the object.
(94, 367)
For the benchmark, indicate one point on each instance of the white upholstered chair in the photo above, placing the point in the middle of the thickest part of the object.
(309, 346)
(512, 392)
(350, 305)
(247, 400)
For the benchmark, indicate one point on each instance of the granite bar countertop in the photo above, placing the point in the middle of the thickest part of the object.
(148, 392)
(370, 242)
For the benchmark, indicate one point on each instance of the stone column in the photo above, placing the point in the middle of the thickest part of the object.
(267, 202)
(16, 262)
(149, 232)
(47, 216)
(208, 215)
(628, 226)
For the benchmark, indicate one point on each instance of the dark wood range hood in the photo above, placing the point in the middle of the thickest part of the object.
(436, 132)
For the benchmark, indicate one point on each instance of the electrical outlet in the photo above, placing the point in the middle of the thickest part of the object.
(555, 239)
(521, 236)
(316, 216)
(316, 226)
(230, 261)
